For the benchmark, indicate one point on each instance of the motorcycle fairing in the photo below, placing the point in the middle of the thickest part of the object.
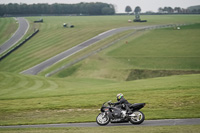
(137, 106)
(112, 112)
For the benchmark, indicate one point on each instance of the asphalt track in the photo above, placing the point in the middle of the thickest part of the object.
(38, 68)
(165, 122)
(17, 36)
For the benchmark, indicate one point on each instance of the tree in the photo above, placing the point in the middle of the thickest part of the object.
(160, 10)
(83, 8)
(137, 9)
(107, 11)
(137, 14)
(128, 9)
(168, 9)
(177, 9)
(194, 11)
(2, 9)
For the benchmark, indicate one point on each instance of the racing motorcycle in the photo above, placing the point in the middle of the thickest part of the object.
(118, 114)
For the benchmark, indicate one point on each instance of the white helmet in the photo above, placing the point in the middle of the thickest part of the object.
(119, 96)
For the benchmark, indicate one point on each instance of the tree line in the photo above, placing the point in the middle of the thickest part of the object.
(173, 10)
(192, 9)
(97, 8)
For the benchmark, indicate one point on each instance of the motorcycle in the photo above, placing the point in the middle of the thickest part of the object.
(118, 114)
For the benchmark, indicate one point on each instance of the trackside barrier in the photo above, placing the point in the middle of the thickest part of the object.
(108, 45)
(19, 45)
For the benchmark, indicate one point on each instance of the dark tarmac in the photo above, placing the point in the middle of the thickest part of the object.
(165, 122)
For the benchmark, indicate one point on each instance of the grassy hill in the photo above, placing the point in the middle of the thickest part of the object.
(35, 99)
(156, 53)
(75, 94)
(53, 38)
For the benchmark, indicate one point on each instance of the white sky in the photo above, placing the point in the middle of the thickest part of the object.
(146, 5)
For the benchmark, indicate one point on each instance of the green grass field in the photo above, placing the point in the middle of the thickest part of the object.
(33, 99)
(83, 87)
(8, 26)
(53, 38)
(154, 129)
(161, 49)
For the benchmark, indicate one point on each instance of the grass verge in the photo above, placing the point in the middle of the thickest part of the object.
(138, 129)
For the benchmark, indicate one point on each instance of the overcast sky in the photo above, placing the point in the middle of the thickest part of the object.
(146, 5)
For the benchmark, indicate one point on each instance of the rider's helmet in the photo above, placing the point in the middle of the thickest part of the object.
(119, 96)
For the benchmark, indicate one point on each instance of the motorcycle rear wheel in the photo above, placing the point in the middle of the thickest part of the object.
(138, 118)
(102, 119)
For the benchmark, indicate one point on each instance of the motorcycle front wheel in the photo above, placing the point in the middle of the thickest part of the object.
(102, 119)
(137, 117)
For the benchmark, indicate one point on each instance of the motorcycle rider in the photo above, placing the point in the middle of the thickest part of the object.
(121, 100)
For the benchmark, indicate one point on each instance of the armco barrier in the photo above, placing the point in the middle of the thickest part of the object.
(19, 45)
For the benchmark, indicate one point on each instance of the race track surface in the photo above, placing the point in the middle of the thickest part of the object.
(38, 68)
(17, 36)
(165, 122)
